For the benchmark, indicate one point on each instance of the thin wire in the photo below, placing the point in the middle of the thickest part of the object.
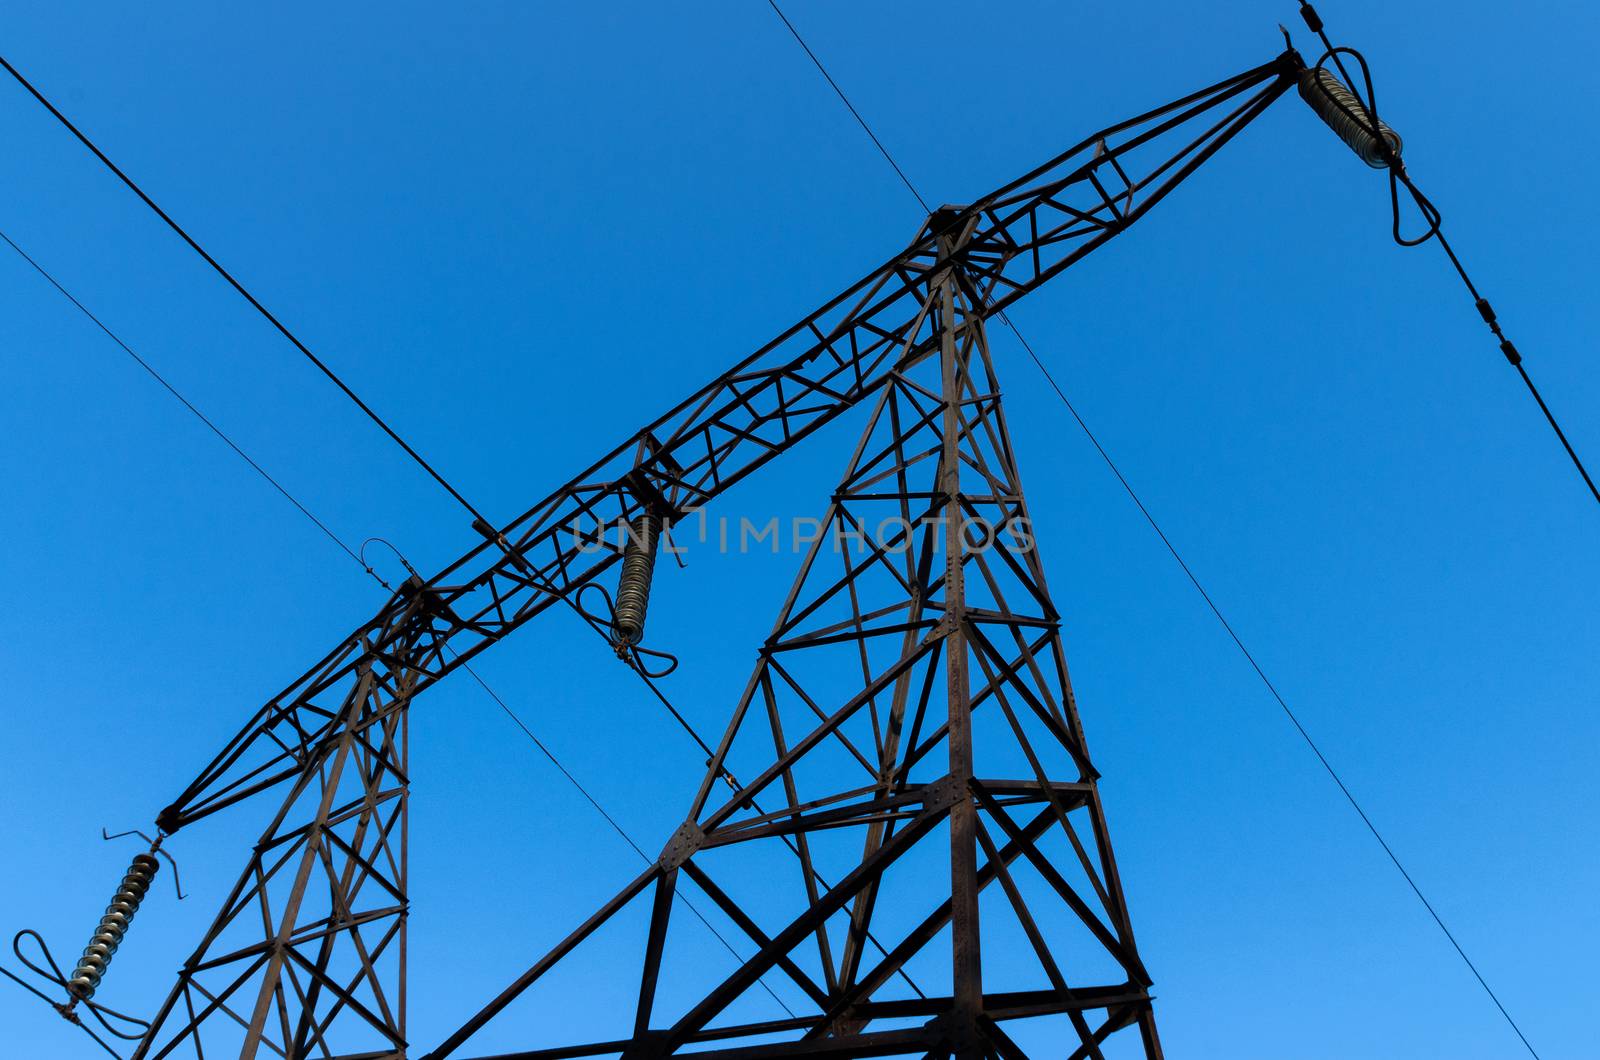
(1508, 348)
(158, 377)
(239, 287)
(367, 568)
(728, 778)
(612, 821)
(1206, 596)
(884, 151)
(1287, 711)
(1548, 415)
(53, 1003)
(1399, 175)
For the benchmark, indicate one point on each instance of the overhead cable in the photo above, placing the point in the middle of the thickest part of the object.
(360, 560)
(270, 317)
(1300, 728)
(1363, 111)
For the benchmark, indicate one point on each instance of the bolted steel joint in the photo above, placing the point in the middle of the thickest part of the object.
(683, 845)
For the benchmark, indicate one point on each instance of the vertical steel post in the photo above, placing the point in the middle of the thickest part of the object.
(966, 955)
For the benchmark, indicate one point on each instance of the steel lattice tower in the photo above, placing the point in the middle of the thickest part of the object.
(901, 820)
(912, 695)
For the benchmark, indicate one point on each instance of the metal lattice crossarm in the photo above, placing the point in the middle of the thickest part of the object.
(1020, 236)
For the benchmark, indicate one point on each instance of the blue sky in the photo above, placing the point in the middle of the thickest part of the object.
(521, 230)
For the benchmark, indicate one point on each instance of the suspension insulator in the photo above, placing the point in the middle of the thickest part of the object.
(633, 590)
(1348, 117)
(113, 926)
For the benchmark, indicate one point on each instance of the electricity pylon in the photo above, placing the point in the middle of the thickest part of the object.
(912, 696)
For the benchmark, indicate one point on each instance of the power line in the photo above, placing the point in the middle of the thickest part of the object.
(1430, 213)
(158, 377)
(1271, 688)
(1189, 572)
(851, 107)
(367, 568)
(1513, 356)
(612, 821)
(239, 287)
(677, 715)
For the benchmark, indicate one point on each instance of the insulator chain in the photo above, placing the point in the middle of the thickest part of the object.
(113, 927)
(1348, 117)
(633, 588)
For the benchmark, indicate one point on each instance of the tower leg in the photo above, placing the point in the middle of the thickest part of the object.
(307, 956)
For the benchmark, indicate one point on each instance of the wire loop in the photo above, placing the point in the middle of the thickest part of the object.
(117, 1024)
(1367, 117)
